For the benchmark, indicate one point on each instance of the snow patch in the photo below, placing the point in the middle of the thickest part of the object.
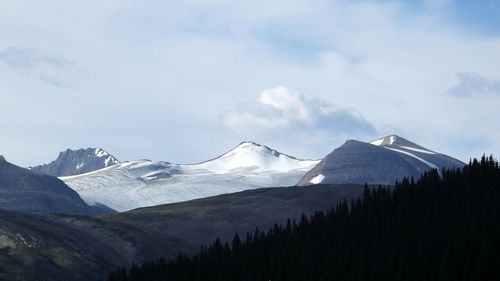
(377, 142)
(79, 165)
(433, 166)
(109, 160)
(100, 153)
(418, 150)
(387, 140)
(6, 242)
(317, 179)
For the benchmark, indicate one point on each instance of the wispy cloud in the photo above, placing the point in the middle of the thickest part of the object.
(29, 58)
(472, 84)
(45, 67)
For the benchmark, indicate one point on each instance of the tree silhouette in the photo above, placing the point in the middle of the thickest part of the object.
(443, 226)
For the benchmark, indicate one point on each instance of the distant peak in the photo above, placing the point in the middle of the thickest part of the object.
(348, 142)
(70, 150)
(99, 152)
(250, 147)
(256, 157)
(398, 142)
(253, 146)
(2, 159)
(387, 140)
(77, 161)
(249, 143)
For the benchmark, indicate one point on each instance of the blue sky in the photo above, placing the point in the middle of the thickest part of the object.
(184, 81)
(482, 15)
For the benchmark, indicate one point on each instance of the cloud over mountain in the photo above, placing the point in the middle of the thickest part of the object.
(282, 109)
(143, 65)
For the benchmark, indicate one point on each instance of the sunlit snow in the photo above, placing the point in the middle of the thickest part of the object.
(377, 142)
(317, 179)
(100, 152)
(135, 184)
(433, 166)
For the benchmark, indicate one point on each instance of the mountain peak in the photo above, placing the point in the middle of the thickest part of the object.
(2, 159)
(250, 145)
(382, 161)
(249, 154)
(99, 152)
(387, 140)
(73, 162)
(395, 141)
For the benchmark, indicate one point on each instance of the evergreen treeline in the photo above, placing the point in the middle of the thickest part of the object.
(444, 226)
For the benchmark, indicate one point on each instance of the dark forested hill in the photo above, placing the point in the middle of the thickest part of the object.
(440, 227)
(72, 247)
(28, 191)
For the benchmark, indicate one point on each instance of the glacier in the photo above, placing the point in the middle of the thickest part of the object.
(143, 183)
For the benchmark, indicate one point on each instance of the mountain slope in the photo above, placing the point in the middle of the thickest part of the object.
(145, 183)
(203, 220)
(28, 191)
(382, 161)
(74, 162)
(68, 247)
(429, 157)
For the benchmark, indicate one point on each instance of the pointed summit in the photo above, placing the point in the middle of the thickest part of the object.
(389, 140)
(73, 162)
(253, 147)
(382, 161)
(396, 141)
(2, 159)
(256, 157)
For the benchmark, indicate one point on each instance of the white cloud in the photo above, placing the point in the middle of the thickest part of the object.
(472, 84)
(292, 104)
(281, 111)
(153, 76)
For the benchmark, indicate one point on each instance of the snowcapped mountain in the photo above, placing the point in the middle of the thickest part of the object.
(253, 157)
(142, 183)
(382, 161)
(74, 162)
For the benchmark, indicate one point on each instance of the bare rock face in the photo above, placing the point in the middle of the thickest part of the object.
(75, 162)
(382, 161)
